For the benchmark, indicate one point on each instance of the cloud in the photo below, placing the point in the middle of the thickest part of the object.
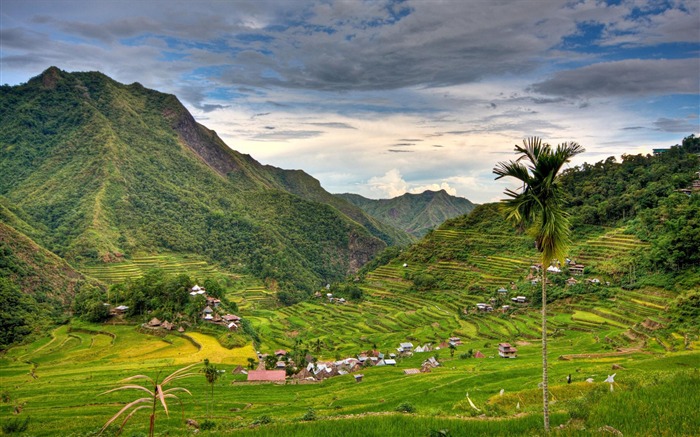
(334, 125)
(631, 77)
(435, 187)
(682, 125)
(388, 186)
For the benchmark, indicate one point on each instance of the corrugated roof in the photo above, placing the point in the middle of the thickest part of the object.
(267, 375)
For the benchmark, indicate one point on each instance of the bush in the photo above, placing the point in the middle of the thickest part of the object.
(16, 425)
(207, 425)
(262, 420)
(309, 415)
(406, 407)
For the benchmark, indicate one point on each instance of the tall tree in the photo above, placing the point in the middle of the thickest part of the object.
(538, 207)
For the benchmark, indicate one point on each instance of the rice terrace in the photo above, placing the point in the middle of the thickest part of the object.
(335, 218)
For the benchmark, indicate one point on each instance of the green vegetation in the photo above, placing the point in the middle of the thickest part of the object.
(142, 202)
(100, 172)
(416, 214)
(157, 395)
(538, 208)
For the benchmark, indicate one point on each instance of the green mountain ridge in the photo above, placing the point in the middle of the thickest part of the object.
(103, 170)
(416, 214)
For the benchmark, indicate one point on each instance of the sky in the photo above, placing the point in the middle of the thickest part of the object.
(385, 97)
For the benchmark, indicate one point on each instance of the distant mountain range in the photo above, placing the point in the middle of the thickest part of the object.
(414, 213)
(98, 171)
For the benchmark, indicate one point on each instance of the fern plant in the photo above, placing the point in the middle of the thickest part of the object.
(156, 394)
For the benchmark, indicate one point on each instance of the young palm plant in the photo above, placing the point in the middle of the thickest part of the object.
(211, 373)
(156, 394)
(538, 207)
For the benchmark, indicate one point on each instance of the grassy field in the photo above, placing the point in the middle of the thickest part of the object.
(56, 381)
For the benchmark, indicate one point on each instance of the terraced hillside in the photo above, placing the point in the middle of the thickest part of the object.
(135, 267)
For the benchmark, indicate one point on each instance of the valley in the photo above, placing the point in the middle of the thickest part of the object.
(119, 203)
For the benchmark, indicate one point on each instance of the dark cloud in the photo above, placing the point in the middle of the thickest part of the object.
(335, 125)
(632, 77)
(399, 151)
(682, 125)
(283, 135)
(209, 107)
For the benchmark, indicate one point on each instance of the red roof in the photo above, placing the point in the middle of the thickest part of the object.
(267, 375)
(478, 354)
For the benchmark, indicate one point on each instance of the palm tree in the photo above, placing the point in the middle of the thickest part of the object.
(211, 373)
(157, 393)
(538, 207)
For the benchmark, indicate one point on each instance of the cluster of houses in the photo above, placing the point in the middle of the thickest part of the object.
(210, 314)
(488, 307)
(330, 297)
(318, 371)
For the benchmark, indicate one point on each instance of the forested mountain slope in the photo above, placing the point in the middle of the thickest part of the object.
(103, 170)
(414, 213)
(635, 228)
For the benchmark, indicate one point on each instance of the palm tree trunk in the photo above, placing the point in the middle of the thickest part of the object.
(545, 376)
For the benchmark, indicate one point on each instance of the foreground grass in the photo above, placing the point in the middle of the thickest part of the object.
(77, 363)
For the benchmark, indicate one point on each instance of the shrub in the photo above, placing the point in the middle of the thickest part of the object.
(263, 420)
(406, 407)
(16, 425)
(309, 415)
(207, 425)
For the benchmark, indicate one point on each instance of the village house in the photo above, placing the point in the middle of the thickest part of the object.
(484, 307)
(267, 375)
(213, 301)
(502, 290)
(154, 323)
(553, 269)
(571, 281)
(455, 341)
(121, 309)
(405, 348)
(505, 308)
(197, 291)
(432, 362)
(576, 269)
(505, 350)
(519, 299)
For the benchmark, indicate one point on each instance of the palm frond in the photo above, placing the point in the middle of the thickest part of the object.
(128, 416)
(124, 408)
(131, 378)
(125, 387)
(174, 389)
(178, 374)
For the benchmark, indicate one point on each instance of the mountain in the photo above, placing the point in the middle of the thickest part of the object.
(99, 171)
(414, 213)
(635, 223)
